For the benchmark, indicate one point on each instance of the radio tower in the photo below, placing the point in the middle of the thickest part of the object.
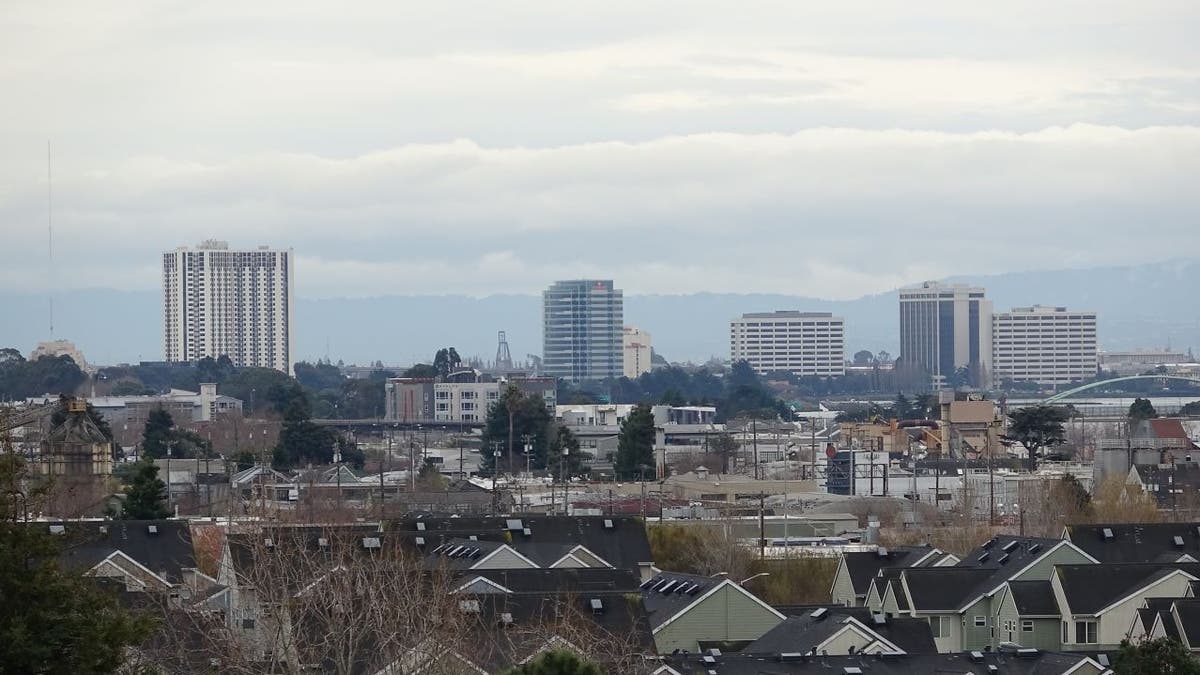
(504, 360)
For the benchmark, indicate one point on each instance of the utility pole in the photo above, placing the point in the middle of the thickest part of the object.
(754, 431)
(496, 445)
(762, 526)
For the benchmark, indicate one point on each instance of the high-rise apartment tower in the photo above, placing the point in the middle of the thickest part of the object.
(946, 328)
(581, 330)
(218, 301)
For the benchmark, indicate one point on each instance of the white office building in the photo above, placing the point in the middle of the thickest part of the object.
(802, 343)
(637, 348)
(464, 401)
(1047, 345)
(234, 302)
(945, 328)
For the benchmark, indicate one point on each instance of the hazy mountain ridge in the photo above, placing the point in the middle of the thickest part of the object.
(1139, 306)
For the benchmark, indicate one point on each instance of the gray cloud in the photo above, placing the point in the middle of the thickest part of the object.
(682, 147)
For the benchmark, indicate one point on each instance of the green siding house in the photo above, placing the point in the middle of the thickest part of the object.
(708, 611)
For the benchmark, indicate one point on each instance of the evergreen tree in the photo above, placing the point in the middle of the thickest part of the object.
(558, 662)
(635, 445)
(526, 416)
(146, 499)
(1036, 428)
(1141, 409)
(156, 436)
(52, 620)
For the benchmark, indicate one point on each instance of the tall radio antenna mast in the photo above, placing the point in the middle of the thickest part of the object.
(50, 234)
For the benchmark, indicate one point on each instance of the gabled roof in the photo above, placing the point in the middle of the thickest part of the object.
(164, 547)
(1033, 598)
(1136, 542)
(802, 632)
(623, 545)
(865, 565)
(1187, 619)
(943, 589)
(668, 593)
(1091, 588)
(1035, 663)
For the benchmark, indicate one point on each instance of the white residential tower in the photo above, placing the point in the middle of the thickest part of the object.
(218, 301)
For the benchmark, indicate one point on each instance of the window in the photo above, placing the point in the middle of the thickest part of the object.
(1085, 632)
(1027, 626)
(939, 626)
(980, 621)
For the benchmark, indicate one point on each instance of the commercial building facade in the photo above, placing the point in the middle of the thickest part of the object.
(802, 343)
(1046, 345)
(415, 400)
(238, 303)
(637, 349)
(582, 334)
(944, 328)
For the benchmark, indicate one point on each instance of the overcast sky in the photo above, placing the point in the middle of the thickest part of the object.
(825, 149)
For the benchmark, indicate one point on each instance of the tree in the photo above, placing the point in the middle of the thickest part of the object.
(562, 439)
(430, 479)
(902, 409)
(146, 499)
(301, 440)
(156, 435)
(1190, 409)
(160, 435)
(1163, 656)
(515, 416)
(1141, 409)
(960, 378)
(446, 361)
(1036, 428)
(558, 662)
(724, 445)
(421, 370)
(863, 358)
(635, 445)
(53, 620)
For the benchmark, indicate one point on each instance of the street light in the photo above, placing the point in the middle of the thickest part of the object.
(760, 574)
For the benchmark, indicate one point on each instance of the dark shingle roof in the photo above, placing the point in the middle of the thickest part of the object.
(1033, 598)
(1189, 620)
(167, 551)
(1136, 543)
(802, 632)
(1040, 663)
(624, 545)
(944, 588)
(865, 565)
(661, 606)
(1090, 588)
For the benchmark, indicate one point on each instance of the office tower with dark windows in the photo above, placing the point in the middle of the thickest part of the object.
(237, 303)
(946, 334)
(582, 323)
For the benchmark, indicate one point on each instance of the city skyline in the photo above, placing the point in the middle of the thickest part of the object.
(694, 148)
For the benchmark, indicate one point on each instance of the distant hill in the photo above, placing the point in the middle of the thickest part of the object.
(1138, 306)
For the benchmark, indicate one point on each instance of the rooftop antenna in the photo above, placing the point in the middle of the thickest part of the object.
(50, 234)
